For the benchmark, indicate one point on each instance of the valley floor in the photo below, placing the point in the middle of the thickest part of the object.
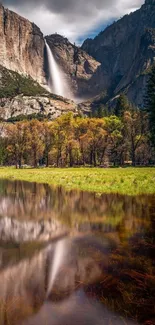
(130, 181)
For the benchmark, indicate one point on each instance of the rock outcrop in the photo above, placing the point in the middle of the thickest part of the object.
(126, 50)
(51, 107)
(79, 67)
(21, 45)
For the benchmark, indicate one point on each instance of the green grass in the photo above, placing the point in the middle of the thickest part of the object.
(130, 181)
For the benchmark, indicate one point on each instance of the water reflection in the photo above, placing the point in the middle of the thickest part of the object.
(128, 287)
(109, 212)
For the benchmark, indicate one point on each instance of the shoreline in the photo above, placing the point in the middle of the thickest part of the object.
(126, 181)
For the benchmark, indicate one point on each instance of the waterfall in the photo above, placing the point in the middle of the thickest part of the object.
(57, 81)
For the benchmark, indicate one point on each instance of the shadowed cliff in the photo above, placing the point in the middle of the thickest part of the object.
(126, 50)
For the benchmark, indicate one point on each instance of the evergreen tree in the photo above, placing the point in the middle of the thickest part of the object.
(122, 105)
(150, 103)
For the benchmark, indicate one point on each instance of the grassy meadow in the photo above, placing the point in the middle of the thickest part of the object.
(130, 181)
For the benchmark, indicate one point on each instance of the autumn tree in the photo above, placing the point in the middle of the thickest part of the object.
(95, 138)
(61, 128)
(135, 123)
(80, 135)
(69, 141)
(71, 144)
(17, 141)
(36, 144)
(48, 139)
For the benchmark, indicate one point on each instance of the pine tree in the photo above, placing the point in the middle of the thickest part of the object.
(150, 103)
(122, 105)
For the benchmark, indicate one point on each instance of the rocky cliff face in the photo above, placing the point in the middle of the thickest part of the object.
(50, 107)
(80, 68)
(126, 51)
(21, 45)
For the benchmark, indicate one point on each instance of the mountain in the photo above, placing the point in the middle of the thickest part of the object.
(126, 51)
(22, 49)
(22, 71)
(117, 60)
(23, 53)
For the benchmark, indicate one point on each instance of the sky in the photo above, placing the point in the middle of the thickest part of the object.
(74, 19)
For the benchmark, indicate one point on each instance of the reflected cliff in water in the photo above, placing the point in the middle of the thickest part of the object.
(32, 215)
(84, 211)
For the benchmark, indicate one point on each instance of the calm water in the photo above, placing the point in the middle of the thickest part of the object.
(31, 213)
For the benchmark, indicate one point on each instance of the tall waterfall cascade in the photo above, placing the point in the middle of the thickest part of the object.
(57, 82)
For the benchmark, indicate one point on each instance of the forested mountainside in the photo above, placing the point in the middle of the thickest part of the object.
(22, 96)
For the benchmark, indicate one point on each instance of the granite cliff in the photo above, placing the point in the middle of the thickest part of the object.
(21, 45)
(126, 51)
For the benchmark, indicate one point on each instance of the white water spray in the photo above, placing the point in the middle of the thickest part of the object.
(57, 81)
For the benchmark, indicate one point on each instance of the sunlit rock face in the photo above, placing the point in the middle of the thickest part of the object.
(21, 45)
(126, 50)
(79, 67)
(26, 105)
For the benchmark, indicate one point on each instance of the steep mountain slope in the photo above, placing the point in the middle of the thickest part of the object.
(21, 45)
(126, 51)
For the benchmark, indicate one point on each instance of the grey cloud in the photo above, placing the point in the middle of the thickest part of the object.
(62, 6)
(71, 18)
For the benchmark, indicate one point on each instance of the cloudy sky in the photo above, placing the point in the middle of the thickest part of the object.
(75, 19)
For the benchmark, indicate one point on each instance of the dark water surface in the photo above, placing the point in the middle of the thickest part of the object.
(31, 214)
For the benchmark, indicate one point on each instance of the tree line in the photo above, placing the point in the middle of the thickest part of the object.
(69, 141)
(124, 136)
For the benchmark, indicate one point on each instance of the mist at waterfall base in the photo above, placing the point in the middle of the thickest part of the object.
(57, 82)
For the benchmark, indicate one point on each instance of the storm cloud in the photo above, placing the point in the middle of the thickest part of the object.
(72, 18)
